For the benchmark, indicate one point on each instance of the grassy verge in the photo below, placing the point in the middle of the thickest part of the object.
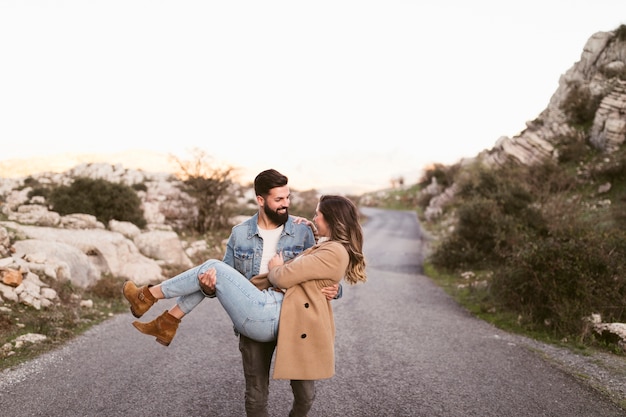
(471, 293)
(59, 323)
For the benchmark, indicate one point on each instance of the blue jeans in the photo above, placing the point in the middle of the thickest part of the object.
(254, 313)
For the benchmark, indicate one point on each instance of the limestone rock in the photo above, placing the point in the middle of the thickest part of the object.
(128, 229)
(609, 125)
(58, 260)
(163, 245)
(107, 252)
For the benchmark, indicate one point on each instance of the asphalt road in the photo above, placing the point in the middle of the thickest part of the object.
(403, 348)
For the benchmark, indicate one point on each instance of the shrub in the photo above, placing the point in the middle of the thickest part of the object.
(39, 191)
(572, 149)
(495, 211)
(106, 288)
(213, 189)
(580, 105)
(556, 256)
(620, 33)
(618, 211)
(557, 281)
(103, 199)
(214, 201)
(139, 187)
(613, 170)
(445, 175)
(474, 239)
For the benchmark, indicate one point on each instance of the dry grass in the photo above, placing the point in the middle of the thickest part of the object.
(60, 322)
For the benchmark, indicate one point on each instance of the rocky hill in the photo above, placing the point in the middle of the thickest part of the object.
(589, 106)
(596, 78)
(587, 110)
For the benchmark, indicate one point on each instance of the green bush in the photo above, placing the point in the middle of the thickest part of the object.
(580, 105)
(554, 283)
(39, 191)
(618, 211)
(495, 214)
(613, 170)
(103, 199)
(139, 187)
(620, 33)
(556, 256)
(445, 175)
(571, 149)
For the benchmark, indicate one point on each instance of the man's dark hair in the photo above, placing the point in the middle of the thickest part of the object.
(267, 180)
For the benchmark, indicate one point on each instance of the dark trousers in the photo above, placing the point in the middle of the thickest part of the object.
(257, 358)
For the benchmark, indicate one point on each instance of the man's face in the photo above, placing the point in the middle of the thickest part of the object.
(276, 205)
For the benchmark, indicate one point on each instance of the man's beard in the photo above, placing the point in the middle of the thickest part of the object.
(276, 217)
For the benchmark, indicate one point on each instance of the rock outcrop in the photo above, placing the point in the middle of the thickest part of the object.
(107, 253)
(602, 63)
(37, 244)
(609, 126)
(601, 60)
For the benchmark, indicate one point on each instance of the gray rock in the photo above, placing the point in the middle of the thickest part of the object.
(58, 258)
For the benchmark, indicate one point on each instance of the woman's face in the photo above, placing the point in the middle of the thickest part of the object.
(320, 223)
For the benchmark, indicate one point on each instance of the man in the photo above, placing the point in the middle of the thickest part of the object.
(250, 247)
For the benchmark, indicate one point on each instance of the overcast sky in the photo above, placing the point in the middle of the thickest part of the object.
(332, 93)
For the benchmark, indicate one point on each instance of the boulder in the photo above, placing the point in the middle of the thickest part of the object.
(108, 252)
(164, 246)
(57, 260)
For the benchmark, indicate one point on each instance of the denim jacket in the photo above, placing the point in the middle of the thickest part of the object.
(244, 249)
(245, 246)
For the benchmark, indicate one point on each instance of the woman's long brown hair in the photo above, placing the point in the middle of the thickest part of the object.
(342, 217)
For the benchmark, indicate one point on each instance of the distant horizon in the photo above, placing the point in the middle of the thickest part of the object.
(154, 162)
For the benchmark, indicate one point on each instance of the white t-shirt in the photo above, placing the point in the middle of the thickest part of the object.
(270, 243)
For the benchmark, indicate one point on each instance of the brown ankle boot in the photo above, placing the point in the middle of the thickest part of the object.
(163, 328)
(140, 299)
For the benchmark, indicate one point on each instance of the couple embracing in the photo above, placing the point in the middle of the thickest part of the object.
(274, 275)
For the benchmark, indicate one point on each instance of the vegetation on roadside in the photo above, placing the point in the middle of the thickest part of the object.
(534, 249)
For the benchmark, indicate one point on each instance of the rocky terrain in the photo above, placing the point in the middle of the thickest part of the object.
(36, 242)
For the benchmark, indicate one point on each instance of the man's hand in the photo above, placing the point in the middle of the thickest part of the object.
(330, 292)
(207, 281)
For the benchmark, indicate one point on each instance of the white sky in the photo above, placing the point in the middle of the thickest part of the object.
(332, 93)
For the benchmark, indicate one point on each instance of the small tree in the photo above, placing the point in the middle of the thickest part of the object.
(211, 187)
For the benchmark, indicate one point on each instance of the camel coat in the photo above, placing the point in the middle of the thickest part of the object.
(305, 348)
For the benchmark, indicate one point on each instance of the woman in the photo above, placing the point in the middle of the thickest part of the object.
(306, 340)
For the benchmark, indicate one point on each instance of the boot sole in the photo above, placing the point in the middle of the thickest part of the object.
(163, 342)
(135, 314)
